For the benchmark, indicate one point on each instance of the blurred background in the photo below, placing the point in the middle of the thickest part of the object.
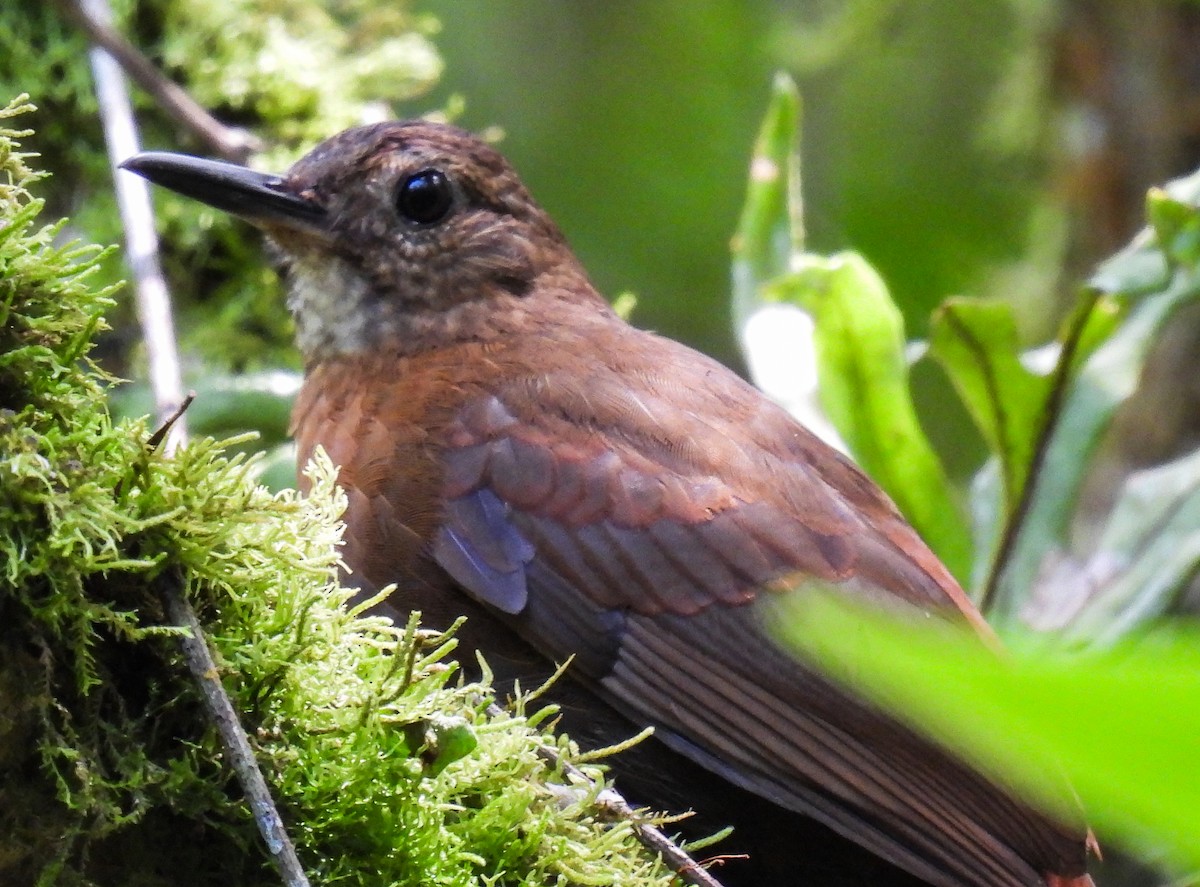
(964, 146)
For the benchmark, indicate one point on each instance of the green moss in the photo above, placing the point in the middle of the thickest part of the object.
(385, 768)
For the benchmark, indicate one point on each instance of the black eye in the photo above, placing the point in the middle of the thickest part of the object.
(425, 197)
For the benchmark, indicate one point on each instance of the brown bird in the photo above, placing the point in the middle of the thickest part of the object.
(514, 451)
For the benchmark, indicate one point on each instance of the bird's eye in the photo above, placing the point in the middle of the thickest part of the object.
(425, 197)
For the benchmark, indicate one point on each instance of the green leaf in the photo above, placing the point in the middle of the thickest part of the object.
(440, 740)
(861, 364)
(1107, 378)
(1118, 726)
(771, 227)
(987, 520)
(1101, 315)
(1176, 226)
(1134, 294)
(776, 339)
(977, 343)
(1148, 551)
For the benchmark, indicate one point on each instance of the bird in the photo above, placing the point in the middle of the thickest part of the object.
(581, 490)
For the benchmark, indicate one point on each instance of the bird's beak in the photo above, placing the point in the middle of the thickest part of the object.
(259, 198)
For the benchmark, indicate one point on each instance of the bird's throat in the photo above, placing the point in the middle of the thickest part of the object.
(340, 313)
(333, 306)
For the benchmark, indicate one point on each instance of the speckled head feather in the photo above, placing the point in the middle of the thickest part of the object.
(373, 276)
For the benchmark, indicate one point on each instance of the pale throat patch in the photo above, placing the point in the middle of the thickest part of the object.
(339, 313)
(330, 301)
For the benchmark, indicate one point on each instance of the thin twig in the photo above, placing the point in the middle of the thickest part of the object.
(137, 217)
(231, 143)
(237, 745)
(616, 807)
(161, 432)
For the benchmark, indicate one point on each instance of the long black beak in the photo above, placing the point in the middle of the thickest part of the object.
(256, 197)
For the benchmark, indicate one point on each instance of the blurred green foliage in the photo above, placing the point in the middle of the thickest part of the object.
(293, 72)
(924, 141)
(1043, 420)
(1116, 726)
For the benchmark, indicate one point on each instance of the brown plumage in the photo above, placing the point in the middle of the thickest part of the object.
(514, 451)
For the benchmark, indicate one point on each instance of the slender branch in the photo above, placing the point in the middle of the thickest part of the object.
(137, 217)
(232, 143)
(616, 807)
(233, 737)
(160, 433)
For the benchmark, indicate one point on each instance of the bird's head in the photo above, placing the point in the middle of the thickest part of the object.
(403, 232)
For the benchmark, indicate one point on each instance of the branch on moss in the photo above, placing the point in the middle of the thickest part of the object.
(233, 737)
(232, 143)
(154, 311)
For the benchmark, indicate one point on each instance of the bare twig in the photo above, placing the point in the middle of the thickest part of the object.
(232, 143)
(137, 217)
(616, 807)
(237, 746)
(160, 433)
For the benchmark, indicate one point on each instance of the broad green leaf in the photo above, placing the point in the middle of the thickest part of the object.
(977, 343)
(1107, 378)
(1120, 727)
(863, 371)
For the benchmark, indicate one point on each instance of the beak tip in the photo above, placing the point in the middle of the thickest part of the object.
(142, 163)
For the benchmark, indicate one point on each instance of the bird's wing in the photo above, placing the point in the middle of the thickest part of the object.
(673, 488)
(631, 531)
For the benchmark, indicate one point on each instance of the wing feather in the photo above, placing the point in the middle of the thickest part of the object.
(648, 563)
